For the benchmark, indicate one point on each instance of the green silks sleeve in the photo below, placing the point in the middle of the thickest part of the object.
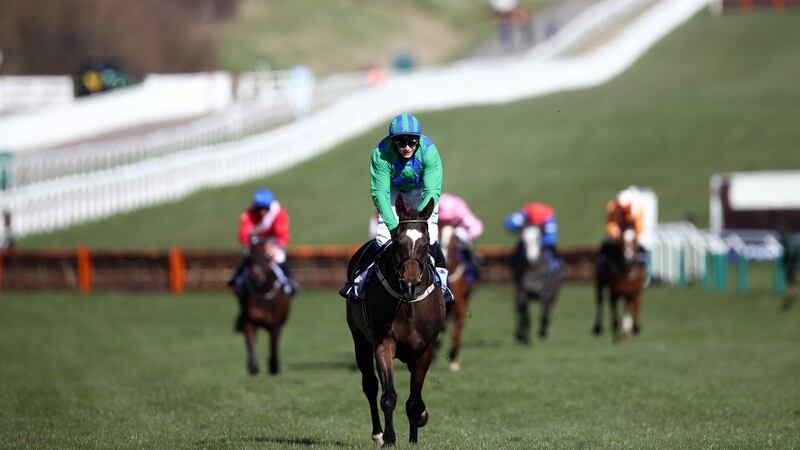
(380, 187)
(432, 178)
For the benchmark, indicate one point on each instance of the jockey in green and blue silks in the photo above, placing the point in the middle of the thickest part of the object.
(407, 163)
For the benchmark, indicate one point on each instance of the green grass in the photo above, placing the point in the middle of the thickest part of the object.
(155, 371)
(345, 35)
(718, 95)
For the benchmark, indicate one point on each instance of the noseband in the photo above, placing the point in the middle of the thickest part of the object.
(398, 273)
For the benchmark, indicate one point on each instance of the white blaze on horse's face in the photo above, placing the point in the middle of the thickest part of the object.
(414, 235)
(629, 238)
(531, 236)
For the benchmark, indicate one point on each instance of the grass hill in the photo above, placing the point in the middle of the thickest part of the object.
(719, 94)
(344, 35)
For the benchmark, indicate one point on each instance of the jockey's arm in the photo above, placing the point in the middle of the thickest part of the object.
(473, 225)
(432, 177)
(515, 221)
(380, 188)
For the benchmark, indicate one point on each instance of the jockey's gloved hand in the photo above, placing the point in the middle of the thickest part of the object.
(254, 239)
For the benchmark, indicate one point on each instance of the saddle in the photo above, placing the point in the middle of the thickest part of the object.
(243, 285)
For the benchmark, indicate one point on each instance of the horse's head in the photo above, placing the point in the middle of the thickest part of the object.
(532, 241)
(260, 263)
(410, 246)
(628, 243)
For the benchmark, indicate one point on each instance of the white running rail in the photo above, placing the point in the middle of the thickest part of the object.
(58, 203)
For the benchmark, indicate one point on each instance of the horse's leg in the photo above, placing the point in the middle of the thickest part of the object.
(369, 382)
(544, 319)
(415, 406)
(635, 304)
(523, 319)
(384, 357)
(598, 315)
(459, 311)
(615, 328)
(274, 336)
(250, 341)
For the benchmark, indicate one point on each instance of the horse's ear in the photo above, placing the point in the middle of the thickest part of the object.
(400, 206)
(428, 210)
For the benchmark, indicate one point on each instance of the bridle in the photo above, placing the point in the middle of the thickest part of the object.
(399, 275)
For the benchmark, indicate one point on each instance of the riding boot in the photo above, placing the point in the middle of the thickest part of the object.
(368, 255)
(242, 264)
(293, 286)
(441, 270)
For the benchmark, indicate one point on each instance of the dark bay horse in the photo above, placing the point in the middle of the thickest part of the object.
(401, 318)
(461, 283)
(619, 269)
(263, 302)
(537, 275)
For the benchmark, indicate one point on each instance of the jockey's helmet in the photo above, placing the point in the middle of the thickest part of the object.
(405, 124)
(262, 199)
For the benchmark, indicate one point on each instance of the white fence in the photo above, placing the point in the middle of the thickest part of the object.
(266, 103)
(18, 93)
(678, 253)
(61, 202)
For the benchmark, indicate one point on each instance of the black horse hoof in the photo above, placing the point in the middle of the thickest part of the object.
(273, 368)
(542, 334)
(252, 370)
(597, 330)
(637, 329)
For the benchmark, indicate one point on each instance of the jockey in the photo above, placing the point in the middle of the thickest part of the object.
(622, 210)
(625, 210)
(540, 215)
(265, 219)
(454, 209)
(407, 163)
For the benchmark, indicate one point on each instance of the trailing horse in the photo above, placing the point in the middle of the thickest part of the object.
(264, 301)
(401, 317)
(462, 283)
(537, 275)
(619, 269)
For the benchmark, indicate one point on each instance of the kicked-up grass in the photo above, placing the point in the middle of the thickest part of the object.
(710, 370)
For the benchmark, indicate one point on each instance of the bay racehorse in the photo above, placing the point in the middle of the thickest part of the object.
(461, 282)
(620, 270)
(401, 317)
(263, 302)
(537, 275)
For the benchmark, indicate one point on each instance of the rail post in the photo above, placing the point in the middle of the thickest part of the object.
(84, 270)
(177, 271)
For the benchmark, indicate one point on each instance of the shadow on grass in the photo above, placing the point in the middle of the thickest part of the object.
(306, 442)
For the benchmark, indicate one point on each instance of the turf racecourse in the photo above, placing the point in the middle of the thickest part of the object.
(155, 371)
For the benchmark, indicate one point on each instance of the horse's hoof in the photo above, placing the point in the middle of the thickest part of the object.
(542, 334)
(274, 369)
(378, 438)
(253, 371)
(636, 329)
(387, 444)
(423, 419)
(455, 366)
(597, 330)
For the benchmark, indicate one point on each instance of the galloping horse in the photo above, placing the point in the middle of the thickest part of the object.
(617, 267)
(460, 283)
(264, 302)
(401, 317)
(536, 276)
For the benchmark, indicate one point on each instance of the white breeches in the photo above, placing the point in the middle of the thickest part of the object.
(412, 199)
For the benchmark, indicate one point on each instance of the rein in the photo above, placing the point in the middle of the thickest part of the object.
(396, 295)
